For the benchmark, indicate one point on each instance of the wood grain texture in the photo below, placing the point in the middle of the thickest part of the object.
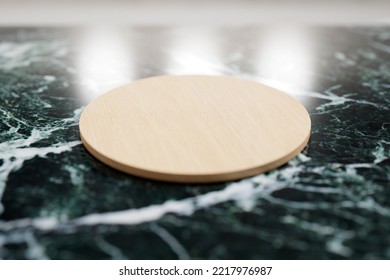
(194, 129)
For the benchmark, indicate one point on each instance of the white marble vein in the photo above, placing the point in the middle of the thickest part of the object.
(243, 193)
(15, 152)
(171, 241)
(248, 189)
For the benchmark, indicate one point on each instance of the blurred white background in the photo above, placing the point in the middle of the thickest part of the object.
(194, 12)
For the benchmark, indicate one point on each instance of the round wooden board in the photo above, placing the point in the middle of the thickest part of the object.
(194, 129)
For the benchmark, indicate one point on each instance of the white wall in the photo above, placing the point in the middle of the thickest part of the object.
(195, 12)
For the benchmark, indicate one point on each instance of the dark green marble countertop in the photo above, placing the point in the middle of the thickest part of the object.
(330, 202)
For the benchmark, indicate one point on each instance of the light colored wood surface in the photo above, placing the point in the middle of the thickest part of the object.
(194, 129)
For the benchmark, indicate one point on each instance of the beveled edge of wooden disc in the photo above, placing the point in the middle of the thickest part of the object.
(195, 178)
(190, 178)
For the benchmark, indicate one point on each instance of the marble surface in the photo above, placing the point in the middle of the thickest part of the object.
(330, 202)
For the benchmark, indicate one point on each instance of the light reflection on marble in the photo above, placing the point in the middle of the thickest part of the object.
(331, 201)
(286, 56)
(194, 51)
(104, 61)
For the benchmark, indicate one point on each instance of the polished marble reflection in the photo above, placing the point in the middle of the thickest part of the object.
(109, 57)
(104, 61)
(286, 56)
